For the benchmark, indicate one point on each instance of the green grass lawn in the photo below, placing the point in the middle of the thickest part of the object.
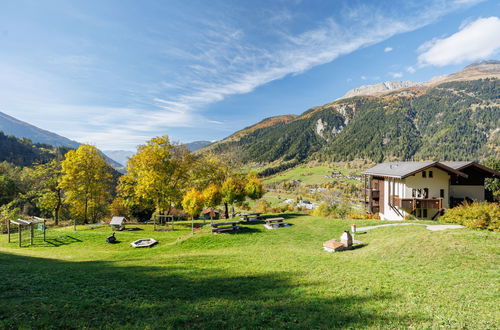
(402, 277)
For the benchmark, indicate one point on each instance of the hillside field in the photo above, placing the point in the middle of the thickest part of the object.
(401, 277)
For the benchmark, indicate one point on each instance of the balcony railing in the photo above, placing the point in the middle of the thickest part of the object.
(417, 203)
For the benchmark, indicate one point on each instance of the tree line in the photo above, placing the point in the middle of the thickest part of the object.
(161, 177)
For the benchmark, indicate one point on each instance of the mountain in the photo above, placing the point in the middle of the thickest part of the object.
(379, 88)
(15, 127)
(195, 145)
(20, 129)
(119, 156)
(454, 117)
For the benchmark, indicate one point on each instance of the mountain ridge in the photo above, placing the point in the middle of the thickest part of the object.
(461, 109)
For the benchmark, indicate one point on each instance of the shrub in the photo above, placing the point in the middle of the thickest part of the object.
(481, 215)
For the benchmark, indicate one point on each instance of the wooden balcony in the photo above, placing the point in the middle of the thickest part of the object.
(417, 203)
(375, 193)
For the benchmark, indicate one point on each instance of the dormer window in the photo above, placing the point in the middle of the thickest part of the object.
(430, 174)
(424, 174)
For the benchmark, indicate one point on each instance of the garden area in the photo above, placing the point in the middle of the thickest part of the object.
(402, 276)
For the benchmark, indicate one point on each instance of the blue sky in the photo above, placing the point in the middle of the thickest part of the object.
(116, 73)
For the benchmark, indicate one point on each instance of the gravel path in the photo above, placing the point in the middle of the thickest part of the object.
(429, 227)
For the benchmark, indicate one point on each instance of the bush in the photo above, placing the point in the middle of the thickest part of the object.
(481, 215)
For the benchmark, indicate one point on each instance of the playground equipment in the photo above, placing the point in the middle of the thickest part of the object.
(23, 224)
(167, 220)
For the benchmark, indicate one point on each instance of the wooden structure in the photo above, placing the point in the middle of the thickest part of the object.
(117, 223)
(274, 223)
(167, 220)
(30, 224)
(225, 227)
(251, 217)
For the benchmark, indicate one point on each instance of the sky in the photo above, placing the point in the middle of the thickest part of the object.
(116, 73)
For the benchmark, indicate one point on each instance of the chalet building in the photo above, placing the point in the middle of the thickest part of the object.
(423, 189)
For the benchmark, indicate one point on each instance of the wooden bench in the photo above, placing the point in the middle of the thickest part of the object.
(275, 222)
(225, 227)
(251, 217)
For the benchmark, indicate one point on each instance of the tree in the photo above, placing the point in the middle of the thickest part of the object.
(45, 178)
(232, 191)
(492, 185)
(192, 203)
(212, 197)
(253, 187)
(158, 172)
(86, 179)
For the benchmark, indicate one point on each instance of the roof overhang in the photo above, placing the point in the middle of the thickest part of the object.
(440, 166)
(481, 167)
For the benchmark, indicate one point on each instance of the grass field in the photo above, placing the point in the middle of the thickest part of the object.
(402, 277)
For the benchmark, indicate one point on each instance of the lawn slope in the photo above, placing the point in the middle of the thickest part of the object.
(402, 277)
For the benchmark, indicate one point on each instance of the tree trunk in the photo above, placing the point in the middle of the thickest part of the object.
(226, 210)
(58, 207)
(192, 225)
(86, 208)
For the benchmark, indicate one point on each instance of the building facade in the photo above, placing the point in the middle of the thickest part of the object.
(395, 190)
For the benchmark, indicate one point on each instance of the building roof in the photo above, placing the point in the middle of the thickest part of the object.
(402, 170)
(463, 165)
(117, 220)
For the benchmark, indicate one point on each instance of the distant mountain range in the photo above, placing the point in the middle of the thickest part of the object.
(193, 146)
(453, 117)
(20, 129)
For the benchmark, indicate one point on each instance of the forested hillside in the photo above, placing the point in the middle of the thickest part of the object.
(23, 152)
(457, 120)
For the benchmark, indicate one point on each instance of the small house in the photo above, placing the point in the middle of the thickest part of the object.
(208, 214)
(395, 190)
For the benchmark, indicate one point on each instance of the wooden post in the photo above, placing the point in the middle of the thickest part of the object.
(74, 224)
(44, 228)
(8, 230)
(32, 233)
(19, 229)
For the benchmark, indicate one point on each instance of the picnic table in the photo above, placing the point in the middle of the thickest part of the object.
(225, 227)
(273, 223)
(251, 216)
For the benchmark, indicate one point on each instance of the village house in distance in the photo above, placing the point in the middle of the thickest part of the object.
(423, 189)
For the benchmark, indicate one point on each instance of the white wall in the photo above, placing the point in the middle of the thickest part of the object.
(397, 189)
(440, 180)
(473, 192)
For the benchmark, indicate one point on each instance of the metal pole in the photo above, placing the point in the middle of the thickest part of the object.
(19, 229)
(44, 228)
(8, 229)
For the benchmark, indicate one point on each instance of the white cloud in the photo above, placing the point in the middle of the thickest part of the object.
(411, 69)
(479, 39)
(388, 49)
(396, 75)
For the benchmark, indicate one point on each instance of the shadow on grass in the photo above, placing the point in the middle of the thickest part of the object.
(57, 241)
(59, 294)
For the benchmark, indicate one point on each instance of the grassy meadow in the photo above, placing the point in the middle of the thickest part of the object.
(400, 277)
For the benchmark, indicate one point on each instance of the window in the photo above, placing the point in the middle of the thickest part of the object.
(424, 213)
(430, 174)
(424, 174)
(413, 193)
(426, 192)
(441, 193)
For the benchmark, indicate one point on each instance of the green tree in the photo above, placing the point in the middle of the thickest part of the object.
(86, 180)
(492, 185)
